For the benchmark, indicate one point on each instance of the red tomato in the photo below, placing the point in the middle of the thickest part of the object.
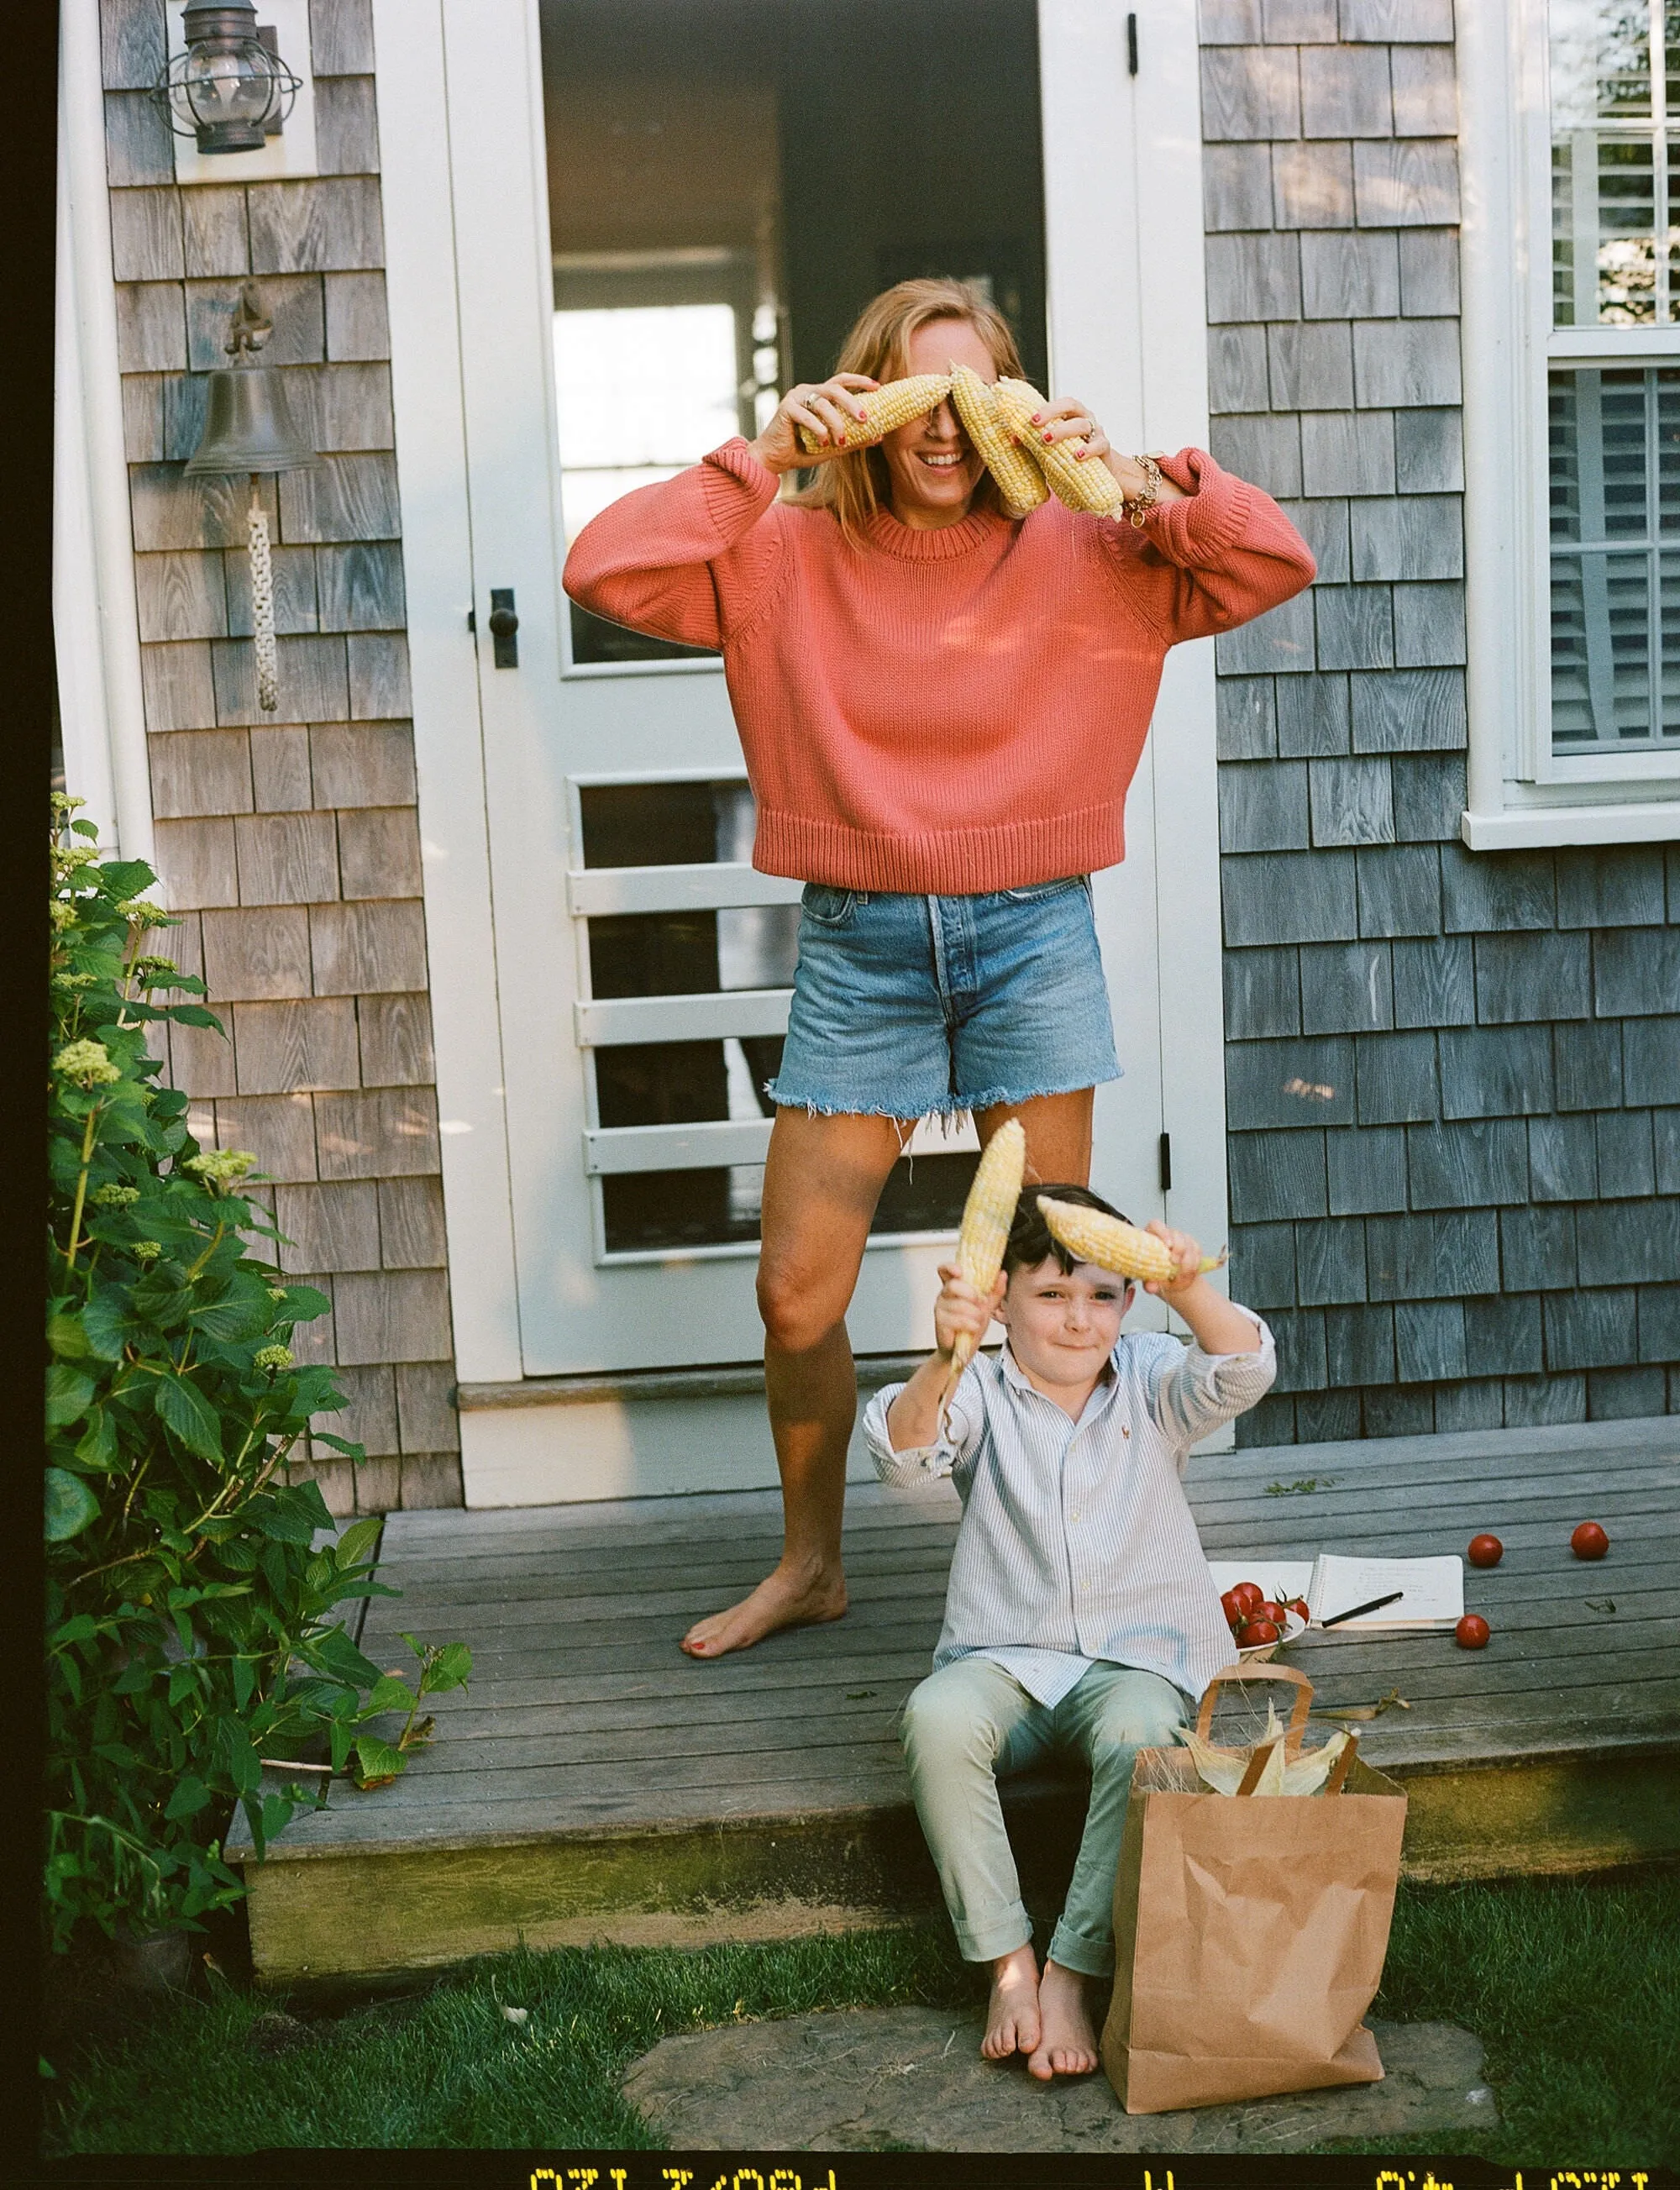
(1299, 1607)
(1471, 1632)
(1246, 1597)
(1589, 1541)
(1267, 1609)
(1485, 1551)
(1253, 1632)
(1231, 1610)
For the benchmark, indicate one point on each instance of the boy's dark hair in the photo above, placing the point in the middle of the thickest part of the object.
(1031, 1240)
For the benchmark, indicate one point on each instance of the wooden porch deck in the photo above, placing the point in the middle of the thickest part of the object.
(595, 1784)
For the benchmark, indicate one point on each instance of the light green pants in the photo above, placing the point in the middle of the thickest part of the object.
(970, 1721)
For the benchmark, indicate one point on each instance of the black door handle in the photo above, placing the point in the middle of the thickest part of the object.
(504, 624)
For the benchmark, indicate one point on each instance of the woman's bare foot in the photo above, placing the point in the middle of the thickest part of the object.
(789, 1597)
(1067, 2043)
(1012, 2012)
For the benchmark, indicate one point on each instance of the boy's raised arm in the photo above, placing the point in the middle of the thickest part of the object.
(903, 1428)
(1231, 1365)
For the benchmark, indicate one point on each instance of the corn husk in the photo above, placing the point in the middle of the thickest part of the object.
(1223, 1770)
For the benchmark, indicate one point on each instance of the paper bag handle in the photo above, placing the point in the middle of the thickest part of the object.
(1343, 1766)
(1240, 1673)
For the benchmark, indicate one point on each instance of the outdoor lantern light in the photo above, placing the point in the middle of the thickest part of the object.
(248, 427)
(227, 89)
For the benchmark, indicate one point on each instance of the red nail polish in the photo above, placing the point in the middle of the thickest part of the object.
(1047, 437)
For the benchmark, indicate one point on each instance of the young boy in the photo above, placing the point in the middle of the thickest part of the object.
(1080, 1613)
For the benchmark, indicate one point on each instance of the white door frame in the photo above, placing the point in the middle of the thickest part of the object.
(1127, 332)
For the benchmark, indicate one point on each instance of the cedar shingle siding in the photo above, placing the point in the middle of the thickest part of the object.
(290, 845)
(1452, 1077)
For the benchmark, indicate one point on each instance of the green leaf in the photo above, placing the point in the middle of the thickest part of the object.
(302, 1304)
(377, 1763)
(450, 1668)
(189, 1798)
(356, 1542)
(98, 1446)
(185, 1410)
(103, 1321)
(339, 1444)
(68, 1395)
(121, 879)
(281, 1522)
(193, 1015)
(336, 1653)
(66, 1336)
(388, 1694)
(226, 1320)
(70, 1506)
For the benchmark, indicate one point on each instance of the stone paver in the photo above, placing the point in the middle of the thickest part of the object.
(877, 2078)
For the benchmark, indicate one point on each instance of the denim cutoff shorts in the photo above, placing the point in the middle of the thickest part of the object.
(906, 1005)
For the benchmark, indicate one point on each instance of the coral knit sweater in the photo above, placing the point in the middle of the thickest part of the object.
(951, 710)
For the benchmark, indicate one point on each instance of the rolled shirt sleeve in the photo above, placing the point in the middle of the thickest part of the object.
(1192, 1396)
(928, 1463)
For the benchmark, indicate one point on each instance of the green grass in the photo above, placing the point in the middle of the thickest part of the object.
(447, 2069)
(1574, 1989)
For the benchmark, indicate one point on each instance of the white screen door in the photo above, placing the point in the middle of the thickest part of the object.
(660, 213)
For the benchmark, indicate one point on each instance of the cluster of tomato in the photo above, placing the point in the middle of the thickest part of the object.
(1588, 1541)
(1257, 1619)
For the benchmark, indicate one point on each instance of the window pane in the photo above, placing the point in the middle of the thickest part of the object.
(1615, 478)
(1669, 697)
(1599, 455)
(1601, 61)
(1614, 257)
(1601, 650)
(1605, 226)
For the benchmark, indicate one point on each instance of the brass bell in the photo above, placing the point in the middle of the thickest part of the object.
(248, 426)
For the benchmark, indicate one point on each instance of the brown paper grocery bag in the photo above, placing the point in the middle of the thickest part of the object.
(1250, 1930)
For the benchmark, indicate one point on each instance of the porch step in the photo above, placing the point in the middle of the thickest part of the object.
(562, 1440)
(594, 1784)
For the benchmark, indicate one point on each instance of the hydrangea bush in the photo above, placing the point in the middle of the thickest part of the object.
(196, 1655)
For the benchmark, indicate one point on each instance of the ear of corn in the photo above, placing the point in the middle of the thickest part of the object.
(1112, 1244)
(987, 1214)
(1089, 486)
(889, 407)
(1019, 480)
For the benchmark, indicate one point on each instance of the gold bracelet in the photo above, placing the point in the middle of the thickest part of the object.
(1139, 506)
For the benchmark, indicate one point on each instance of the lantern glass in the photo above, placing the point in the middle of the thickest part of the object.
(228, 89)
(231, 83)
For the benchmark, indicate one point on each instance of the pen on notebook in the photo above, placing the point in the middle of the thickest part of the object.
(1354, 1611)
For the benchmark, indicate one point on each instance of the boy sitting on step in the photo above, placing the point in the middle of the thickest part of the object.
(1079, 1614)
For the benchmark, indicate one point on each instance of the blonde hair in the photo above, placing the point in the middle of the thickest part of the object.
(854, 486)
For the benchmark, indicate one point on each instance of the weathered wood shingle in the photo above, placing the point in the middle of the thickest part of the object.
(288, 842)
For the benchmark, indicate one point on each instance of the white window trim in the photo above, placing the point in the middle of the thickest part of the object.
(1520, 794)
(95, 618)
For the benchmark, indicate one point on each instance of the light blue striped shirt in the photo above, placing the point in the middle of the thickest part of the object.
(1077, 1543)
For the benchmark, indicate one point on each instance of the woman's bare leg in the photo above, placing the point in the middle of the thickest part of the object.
(1058, 1128)
(822, 1179)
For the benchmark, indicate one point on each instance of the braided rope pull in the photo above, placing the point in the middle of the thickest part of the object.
(262, 606)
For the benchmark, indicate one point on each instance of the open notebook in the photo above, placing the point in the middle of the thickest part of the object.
(1433, 1588)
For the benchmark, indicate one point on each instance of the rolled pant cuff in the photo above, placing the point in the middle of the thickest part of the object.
(1003, 1936)
(1090, 1957)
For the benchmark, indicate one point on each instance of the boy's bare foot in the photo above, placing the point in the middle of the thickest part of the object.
(1067, 2043)
(1012, 2012)
(789, 1597)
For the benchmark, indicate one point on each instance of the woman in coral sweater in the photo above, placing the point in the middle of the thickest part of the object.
(942, 709)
